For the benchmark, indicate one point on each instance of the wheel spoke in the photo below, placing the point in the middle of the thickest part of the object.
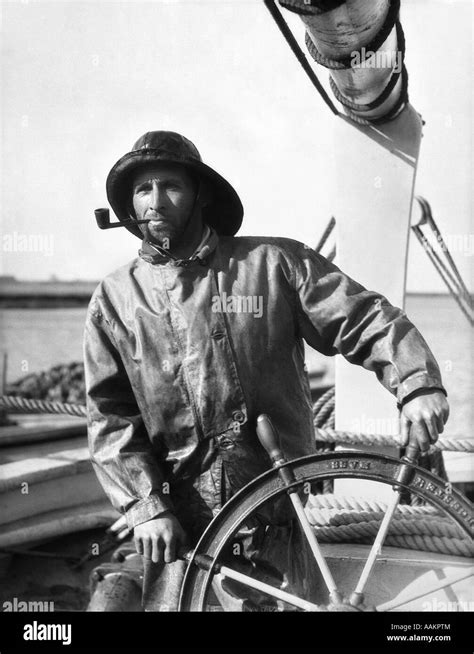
(269, 439)
(357, 596)
(316, 550)
(197, 585)
(405, 474)
(224, 571)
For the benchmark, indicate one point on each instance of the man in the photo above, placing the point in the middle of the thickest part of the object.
(186, 345)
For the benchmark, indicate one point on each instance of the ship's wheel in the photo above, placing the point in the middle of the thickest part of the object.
(209, 568)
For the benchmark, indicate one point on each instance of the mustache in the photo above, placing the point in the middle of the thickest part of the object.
(150, 214)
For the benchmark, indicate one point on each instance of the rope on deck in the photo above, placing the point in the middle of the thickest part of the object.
(323, 420)
(450, 546)
(419, 527)
(326, 397)
(23, 405)
(348, 503)
(370, 528)
(442, 444)
(324, 415)
(365, 533)
(426, 526)
(335, 517)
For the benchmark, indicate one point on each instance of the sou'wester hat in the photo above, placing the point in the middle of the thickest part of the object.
(224, 212)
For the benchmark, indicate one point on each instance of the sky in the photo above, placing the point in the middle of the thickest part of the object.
(82, 80)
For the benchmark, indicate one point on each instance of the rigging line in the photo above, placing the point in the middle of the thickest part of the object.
(461, 289)
(462, 292)
(428, 215)
(429, 251)
(292, 42)
(326, 234)
(420, 237)
(331, 256)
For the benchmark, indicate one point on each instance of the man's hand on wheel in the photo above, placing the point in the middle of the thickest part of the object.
(429, 412)
(159, 539)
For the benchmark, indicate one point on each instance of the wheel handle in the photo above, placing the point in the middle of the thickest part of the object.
(269, 439)
(413, 450)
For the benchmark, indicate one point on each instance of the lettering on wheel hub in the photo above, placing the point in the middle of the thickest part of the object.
(350, 464)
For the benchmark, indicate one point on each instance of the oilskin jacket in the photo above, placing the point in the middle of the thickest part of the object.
(182, 356)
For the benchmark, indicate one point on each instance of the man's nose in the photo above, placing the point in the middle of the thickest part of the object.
(156, 197)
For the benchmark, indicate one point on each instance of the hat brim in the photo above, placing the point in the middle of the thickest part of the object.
(224, 213)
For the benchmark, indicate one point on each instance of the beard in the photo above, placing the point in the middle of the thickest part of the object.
(164, 234)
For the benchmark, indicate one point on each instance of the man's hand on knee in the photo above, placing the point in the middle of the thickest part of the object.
(160, 538)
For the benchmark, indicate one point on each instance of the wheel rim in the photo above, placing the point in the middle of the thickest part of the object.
(334, 465)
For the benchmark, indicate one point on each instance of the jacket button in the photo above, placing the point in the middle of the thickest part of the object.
(238, 416)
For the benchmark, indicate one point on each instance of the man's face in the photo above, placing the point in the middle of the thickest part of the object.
(164, 194)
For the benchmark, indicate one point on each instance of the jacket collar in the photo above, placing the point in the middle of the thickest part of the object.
(155, 254)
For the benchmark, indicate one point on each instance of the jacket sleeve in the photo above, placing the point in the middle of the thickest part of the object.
(338, 315)
(121, 451)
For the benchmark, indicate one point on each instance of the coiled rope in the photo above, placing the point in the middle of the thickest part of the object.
(326, 397)
(442, 444)
(347, 503)
(365, 533)
(323, 417)
(438, 526)
(323, 412)
(335, 518)
(323, 420)
(413, 527)
(339, 519)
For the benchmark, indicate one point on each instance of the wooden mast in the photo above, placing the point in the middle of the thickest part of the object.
(376, 148)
